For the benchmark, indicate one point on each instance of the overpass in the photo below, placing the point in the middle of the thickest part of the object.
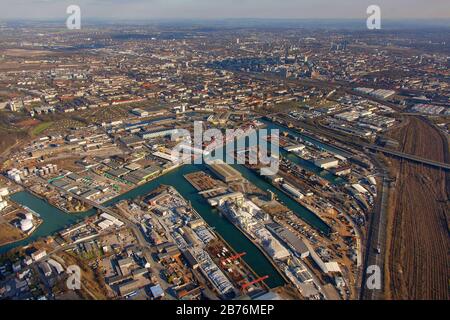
(410, 157)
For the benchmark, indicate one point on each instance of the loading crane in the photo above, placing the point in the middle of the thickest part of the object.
(236, 256)
(248, 284)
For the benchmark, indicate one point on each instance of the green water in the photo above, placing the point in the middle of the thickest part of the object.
(327, 147)
(293, 205)
(55, 220)
(309, 166)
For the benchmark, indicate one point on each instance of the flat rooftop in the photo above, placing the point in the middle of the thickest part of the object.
(225, 171)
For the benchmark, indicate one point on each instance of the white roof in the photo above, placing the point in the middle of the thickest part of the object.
(359, 188)
(58, 267)
(332, 266)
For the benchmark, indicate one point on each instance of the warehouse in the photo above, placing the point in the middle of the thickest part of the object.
(327, 163)
(118, 173)
(157, 134)
(132, 141)
(129, 287)
(295, 148)
(290, 239)
(140, 113)
(225, 172)
(142, 175)
(292, 190)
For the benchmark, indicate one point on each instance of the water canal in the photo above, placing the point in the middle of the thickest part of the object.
(55, 220)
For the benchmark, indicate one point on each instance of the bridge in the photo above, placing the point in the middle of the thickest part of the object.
(410, 157)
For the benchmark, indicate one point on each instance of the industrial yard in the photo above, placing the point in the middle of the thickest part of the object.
(418, 241)
(295, 233)
(237, 160)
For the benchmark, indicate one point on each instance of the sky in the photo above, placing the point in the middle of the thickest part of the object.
(219, 9)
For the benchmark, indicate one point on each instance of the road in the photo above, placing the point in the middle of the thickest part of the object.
(376, 239)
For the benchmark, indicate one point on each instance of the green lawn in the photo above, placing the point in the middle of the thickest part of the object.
(41, 128)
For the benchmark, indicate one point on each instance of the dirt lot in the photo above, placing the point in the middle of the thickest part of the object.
(417, 264)
(9, 234)
(25, 53)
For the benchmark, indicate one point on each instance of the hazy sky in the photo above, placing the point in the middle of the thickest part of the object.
(213, 9)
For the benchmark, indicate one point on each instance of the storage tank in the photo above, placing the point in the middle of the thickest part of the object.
(4, 192)
(26, 225)
(3, 205)
(16, 178)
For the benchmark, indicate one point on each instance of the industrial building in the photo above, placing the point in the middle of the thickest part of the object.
(292, 190)
(140, 113)
(157, 134)
(327, 163)
(26, 225)
(271, 245)
(295, 148)
(219, 200)
(290, 239)
(45, 268)
(58, 267)
(225, 172)
(342, 171)
(142, 175)
(38, 255)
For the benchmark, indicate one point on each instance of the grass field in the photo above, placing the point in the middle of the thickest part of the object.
(41, 128)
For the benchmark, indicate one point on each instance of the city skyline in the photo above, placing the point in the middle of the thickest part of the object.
(202, 9)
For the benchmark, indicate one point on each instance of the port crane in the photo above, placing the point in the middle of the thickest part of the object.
(236, 256)
(248, 284)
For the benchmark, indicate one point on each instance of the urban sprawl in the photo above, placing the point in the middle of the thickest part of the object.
(89, 121)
